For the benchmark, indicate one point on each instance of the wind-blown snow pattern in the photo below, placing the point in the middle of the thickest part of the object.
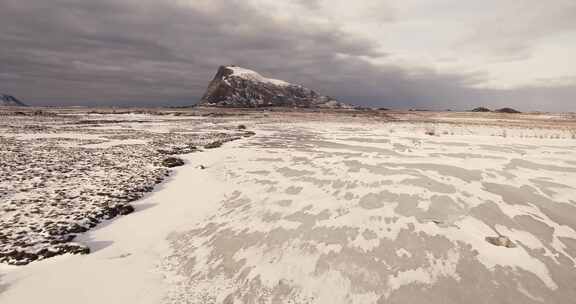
(321, 207)
(369, 213)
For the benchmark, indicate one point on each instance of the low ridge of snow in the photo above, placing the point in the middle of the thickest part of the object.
(254, 76)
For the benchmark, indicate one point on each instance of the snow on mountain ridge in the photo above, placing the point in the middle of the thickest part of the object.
(255, 76)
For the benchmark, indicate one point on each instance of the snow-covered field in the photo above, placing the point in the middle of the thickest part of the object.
(337, 209)
(62, 175)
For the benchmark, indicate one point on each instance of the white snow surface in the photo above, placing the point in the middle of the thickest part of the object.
(334, 212)
(121, 268)
(254, 76)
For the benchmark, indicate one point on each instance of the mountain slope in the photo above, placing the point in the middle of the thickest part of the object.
(239, 87)
(10, 101)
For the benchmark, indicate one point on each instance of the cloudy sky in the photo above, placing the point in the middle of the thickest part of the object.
(393, 53)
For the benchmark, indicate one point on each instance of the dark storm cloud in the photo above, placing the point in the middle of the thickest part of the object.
(158, 52)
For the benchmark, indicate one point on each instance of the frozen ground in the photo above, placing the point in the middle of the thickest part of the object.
(342, 209)
(62, 175)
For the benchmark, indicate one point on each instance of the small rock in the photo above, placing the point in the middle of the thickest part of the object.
(216, 144)
(249, 133)
(75, 228)
(502, 241)
(171, 162)
(72, 248)
(125, 209)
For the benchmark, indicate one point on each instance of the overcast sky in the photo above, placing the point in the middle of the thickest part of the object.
(435, 54)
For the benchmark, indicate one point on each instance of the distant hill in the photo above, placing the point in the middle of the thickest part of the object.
(243, 88)
(507, 110)
(503, 110)
(10, 101)
(480, 109)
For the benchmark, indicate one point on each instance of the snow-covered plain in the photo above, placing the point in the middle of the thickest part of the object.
(340, 209)
(63, 175)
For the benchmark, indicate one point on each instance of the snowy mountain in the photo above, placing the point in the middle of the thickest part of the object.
(7, 100)
(239, 87)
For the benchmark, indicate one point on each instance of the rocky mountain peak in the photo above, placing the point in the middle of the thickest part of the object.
(235, 86)
(8, 100)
